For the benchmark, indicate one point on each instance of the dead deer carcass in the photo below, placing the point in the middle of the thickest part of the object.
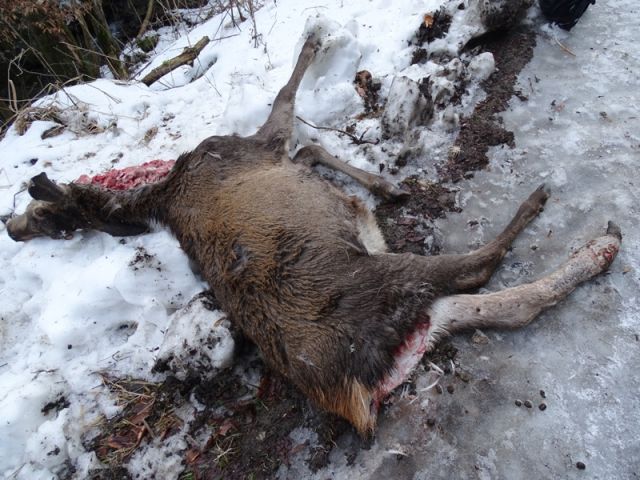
(302, 269)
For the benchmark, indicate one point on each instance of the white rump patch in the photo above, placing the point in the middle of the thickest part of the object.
(370, 235)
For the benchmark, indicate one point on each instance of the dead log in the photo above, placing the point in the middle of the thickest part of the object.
(188, 55)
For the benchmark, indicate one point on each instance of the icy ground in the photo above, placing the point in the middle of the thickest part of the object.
(70, 309)
(579, 132)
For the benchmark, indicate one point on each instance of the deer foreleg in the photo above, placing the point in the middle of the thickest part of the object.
(314, 154)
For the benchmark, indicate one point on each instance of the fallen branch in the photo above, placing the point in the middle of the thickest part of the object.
(188, 55)
(357, 140)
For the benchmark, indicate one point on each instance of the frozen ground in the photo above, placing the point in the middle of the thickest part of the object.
(71, 309)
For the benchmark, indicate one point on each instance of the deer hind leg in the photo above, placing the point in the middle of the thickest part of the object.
(314, 154)
(474, 269)
(517, 306)
(279, 125)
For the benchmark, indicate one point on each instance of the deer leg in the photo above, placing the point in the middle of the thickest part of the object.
(517, 306)
(279, 125)
(314, 154)
(474, 269)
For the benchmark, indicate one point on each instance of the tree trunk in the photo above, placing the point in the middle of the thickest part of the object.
(106, 41)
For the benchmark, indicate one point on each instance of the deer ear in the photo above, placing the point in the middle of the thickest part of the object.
(41, 188)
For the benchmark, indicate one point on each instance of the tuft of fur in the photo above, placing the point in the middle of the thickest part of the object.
(352, 401)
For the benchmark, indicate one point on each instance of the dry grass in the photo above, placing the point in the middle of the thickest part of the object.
(28, 115)
(143, 417)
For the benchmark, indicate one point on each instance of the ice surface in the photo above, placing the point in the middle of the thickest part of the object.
(71, 309)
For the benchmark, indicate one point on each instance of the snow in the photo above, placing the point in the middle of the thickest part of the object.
(71, 309)
(197, 341)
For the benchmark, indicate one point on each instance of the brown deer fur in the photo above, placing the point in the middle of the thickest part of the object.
(302, 268)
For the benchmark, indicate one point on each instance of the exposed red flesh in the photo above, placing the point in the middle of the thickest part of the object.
(407, 356)
(130, 177)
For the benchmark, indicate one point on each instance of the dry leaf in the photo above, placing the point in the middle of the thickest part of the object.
(150, 134)
(225, 427)
(192, 455)
(52, 132)
(428, 20)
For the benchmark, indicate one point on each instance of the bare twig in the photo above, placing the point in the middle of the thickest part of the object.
(426, 389)
(43, 61)
(357, 140)
(233, 19)
(95, 52)
(147, 19)
(17, 471)
(23, 188)
(555, 39)
(13, 97)
(149, 429)
(563, 47)
(256, 36)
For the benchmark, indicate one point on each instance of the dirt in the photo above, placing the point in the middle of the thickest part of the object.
(369, 89)
(55, 406)
(408, 227)
(249, 426)
(253, 433)
(433, 26)
(144, 259)
(511, 52)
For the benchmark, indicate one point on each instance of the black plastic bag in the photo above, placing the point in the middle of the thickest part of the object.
(565, 12)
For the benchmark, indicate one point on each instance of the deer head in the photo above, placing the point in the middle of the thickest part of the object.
(57, 211)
